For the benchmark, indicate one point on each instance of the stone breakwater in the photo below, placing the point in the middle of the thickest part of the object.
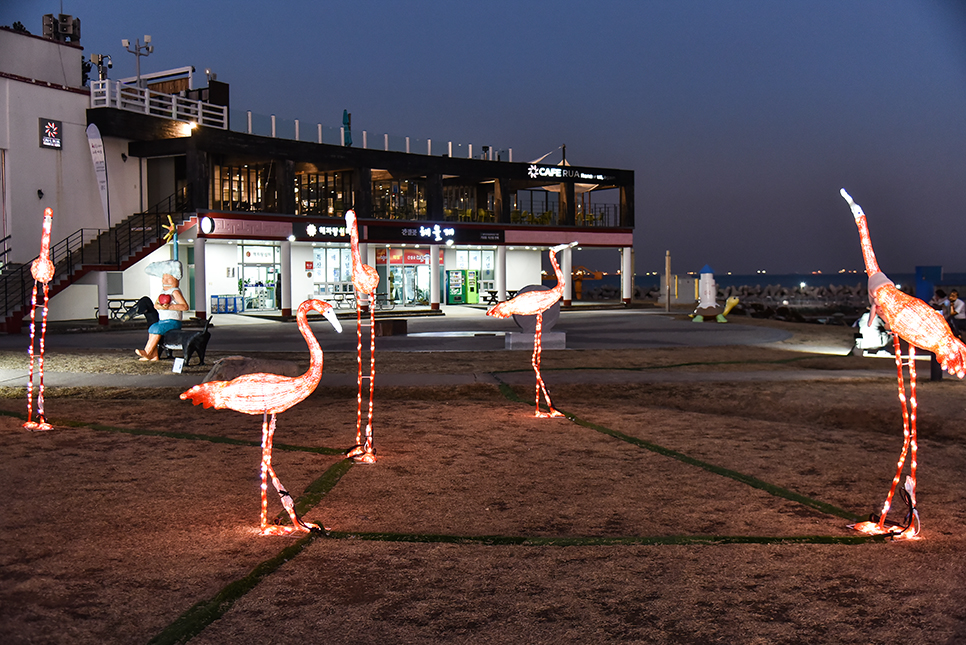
(832, 304)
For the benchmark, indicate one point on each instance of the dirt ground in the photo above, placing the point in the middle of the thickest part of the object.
(671, 511)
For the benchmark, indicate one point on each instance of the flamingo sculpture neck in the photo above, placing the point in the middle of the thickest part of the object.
(42, 268)
(364, 277)
(263, 393)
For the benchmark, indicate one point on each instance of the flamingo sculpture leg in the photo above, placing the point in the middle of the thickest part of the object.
(42, 271)
(270, 394)
(365, 279)
(531, 303)
(920, 326)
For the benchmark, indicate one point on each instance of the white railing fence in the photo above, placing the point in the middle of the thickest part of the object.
(111, 94)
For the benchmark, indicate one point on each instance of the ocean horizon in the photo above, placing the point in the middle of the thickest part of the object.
(786, 280)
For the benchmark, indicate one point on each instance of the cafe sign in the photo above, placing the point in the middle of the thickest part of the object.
(565, 173)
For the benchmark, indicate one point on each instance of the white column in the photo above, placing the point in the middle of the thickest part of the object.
(500, 270)
(434, 276)
(566, 264)
(102, 311)
(284, 281)
(201, 282)
(627, 274)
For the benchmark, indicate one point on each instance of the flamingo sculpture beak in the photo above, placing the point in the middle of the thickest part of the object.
(857, 211)
(329, 314)
(561, 247)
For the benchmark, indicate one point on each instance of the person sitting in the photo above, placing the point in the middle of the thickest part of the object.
(956, 313)
(169, 305)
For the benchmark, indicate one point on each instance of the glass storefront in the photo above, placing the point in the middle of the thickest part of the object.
(399, 199)
(404, 275)
(245, 187)
(258, 271)
(483, 261)
(332, 266)
(322, 193)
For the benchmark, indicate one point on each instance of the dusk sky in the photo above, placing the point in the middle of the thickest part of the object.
(741, 119)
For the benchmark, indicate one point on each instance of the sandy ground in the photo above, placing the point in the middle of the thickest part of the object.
(661, 512)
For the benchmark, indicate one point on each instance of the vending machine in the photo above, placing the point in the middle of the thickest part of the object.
(455, 287)
(472, 287)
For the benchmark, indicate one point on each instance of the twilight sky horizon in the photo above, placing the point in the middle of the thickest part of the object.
(741, 120)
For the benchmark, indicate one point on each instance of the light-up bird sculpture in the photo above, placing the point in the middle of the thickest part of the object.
(365, 279)
(42, 271)
(271, 394)
(920, 326)
(531, 303)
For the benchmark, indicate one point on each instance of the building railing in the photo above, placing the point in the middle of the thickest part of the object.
(268, 125)
(112, 94)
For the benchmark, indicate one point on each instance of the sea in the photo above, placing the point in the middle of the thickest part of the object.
(787, 280)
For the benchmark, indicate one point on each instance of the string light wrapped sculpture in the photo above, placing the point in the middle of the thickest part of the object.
(531, 303)
(365, 279)
(921, 326)
(42, 271)
(271, 394)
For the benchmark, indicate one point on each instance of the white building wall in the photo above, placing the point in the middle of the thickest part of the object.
(37, 57)
(522, 268)
(218, 259)
(303, 286)
(77, 302)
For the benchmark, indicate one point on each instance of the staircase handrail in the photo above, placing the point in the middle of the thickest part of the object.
(97, 247)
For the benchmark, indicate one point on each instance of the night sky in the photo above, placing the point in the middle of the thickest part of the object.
(741, 119)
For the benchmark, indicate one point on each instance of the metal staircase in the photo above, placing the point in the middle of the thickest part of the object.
(90, 249)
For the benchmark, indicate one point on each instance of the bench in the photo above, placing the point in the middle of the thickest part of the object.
(116, 307)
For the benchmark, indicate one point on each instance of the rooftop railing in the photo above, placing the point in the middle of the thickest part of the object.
(112, 94)
(298, 130)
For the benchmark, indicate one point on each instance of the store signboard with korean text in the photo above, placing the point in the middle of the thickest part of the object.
(433, 233)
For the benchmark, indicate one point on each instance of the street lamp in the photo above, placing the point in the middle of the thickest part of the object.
(138, 51)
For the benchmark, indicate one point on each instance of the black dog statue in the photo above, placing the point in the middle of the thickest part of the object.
(189, 341)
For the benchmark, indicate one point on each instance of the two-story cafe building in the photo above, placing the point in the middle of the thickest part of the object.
(268, 214)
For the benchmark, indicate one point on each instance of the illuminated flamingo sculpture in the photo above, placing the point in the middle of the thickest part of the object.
(42, 270)
(921, 326)
(266, 394)
(365, 279)
(529, 303)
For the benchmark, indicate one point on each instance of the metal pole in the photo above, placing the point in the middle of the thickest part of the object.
(667, 281)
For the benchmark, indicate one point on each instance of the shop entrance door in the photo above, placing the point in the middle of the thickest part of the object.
(259, 272)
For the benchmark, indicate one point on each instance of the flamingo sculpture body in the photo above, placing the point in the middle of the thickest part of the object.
(271, 394)
(531, 303)
(920, 326)
(365, 279)
(42, 271)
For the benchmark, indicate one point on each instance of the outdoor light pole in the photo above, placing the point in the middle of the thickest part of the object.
(139, 51)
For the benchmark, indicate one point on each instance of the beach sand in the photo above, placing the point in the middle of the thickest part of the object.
(676, 510)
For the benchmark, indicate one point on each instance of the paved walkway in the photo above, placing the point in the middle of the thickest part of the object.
(460, 329)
